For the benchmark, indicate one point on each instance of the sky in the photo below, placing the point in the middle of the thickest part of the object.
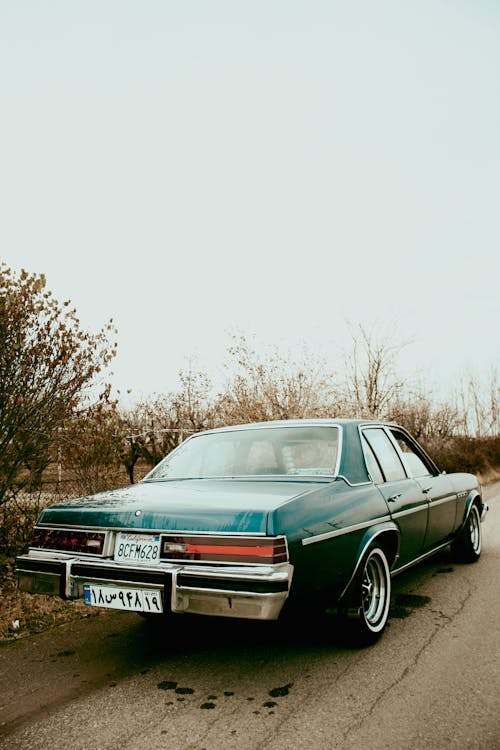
(283, 169)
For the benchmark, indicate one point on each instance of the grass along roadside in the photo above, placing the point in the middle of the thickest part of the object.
(24, 614)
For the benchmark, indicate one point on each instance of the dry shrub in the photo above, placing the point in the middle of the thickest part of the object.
(475, 455)
(25, 614)
(17, 518)
(275, 386)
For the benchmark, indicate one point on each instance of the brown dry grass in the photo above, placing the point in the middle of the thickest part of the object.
(24, 614)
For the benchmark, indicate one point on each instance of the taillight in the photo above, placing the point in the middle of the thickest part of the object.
(265, 550)
(69, 540)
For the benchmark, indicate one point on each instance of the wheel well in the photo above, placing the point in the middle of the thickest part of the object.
(389, 542)
(476, 500)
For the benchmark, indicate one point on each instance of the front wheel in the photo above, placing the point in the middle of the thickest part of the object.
(370, 598)
(467, 545)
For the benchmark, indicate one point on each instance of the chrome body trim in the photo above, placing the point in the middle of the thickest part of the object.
(68, 583)
(447, 499)
(238, 600)
(345, 530)
(429, 553)
(245, 603)
(57, 555)
(387, 427)
(409, 511)
(353, 484)
(139, 530)
(288, 424)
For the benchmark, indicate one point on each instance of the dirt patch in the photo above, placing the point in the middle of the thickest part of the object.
(24, 614)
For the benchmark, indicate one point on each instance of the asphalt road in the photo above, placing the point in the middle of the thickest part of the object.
(114, 682)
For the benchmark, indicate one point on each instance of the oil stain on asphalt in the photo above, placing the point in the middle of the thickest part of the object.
(404, 604)
(209, 704)
(443, 570)
(279, 692)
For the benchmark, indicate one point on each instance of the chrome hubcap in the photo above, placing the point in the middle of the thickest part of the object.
(374, 591)
(475, 530)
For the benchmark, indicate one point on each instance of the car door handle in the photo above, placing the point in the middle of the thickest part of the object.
(427, 490)
(393, 498)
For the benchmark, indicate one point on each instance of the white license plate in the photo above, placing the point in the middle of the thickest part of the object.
(137, 548)
(120, 597)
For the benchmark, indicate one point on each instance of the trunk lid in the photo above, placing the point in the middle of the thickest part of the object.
(222, 505)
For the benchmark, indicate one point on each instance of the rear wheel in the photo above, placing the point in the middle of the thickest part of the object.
(369, 599)
(467, 545)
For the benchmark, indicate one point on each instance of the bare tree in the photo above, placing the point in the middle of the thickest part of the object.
(155, 427)
(480, 405)
(275, 387)
(371, 379)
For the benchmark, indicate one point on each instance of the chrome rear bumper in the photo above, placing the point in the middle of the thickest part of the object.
(256, 592)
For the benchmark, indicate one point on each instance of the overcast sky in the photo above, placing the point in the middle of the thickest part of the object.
(278, 168)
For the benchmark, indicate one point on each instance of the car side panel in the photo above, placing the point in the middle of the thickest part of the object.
(467, 488)
(442, 499)
(324, 530)
(409, 510)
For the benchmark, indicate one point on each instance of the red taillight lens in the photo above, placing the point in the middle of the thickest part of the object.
(268, 551)
(69, 540)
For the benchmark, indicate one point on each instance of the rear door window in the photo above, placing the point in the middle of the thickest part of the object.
(415, 463)
(385, 453)
(371, 462)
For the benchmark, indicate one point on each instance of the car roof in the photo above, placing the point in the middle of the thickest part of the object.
(320, 422)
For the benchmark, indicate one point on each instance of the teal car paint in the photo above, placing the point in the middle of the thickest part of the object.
(224, 505)
(251, 520)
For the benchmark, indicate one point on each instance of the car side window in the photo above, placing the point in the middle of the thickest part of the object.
(371, 462)
(413, 462)
(386, 453)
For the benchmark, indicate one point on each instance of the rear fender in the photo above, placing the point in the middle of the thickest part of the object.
(474, 498)
(384, 534)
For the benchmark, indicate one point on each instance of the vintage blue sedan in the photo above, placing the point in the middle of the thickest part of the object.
(251, 520)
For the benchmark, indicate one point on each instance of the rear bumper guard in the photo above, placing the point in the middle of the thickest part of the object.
(257, 592)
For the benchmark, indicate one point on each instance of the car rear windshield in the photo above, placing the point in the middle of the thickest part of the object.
(288, 451)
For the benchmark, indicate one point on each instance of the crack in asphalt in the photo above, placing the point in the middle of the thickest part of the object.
(210, 724)
(441, 614)
(312, 692)
(445, 621)
(439, 626)
(125, 738)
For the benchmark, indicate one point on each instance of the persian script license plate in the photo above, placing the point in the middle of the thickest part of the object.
(138, 548)
(120, 597)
